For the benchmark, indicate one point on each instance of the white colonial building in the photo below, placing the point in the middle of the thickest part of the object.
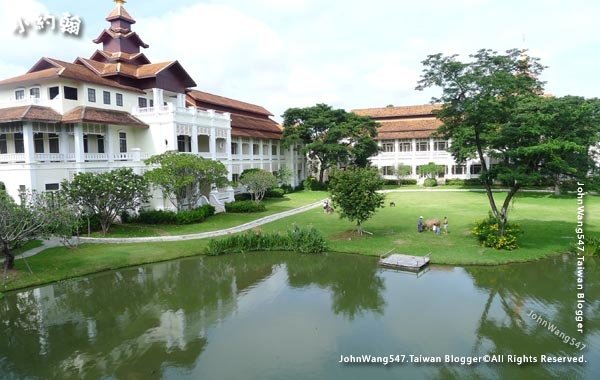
(405, 137)
(116, 109)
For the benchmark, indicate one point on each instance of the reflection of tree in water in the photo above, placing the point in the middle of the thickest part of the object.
(353, 281)
(548, 289)
(128, 323)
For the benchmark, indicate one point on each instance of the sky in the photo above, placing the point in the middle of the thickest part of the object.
(297, 53)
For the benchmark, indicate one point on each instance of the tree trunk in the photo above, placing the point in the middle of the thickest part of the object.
(321, 173)
(503, 216)
(557, 186)
(9, 258)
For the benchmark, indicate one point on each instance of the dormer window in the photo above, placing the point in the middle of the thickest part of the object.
(34, 92)
(19, 94)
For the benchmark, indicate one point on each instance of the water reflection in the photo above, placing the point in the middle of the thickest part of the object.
(274, 315)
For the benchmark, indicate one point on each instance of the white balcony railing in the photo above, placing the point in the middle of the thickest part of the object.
(49, 157)
(12, 157)
(95, 156)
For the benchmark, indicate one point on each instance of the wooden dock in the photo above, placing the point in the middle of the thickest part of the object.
(404, 262)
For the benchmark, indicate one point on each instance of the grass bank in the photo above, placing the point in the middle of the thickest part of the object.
(548, 223)
(216, 222)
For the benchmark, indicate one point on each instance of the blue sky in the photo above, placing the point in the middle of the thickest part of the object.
(351, 54)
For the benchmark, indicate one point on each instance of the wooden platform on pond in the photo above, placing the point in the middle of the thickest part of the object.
(404, 262)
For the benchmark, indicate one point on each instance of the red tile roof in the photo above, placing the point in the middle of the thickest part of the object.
(247, 126)
(402, 111)
(29, 113)
(47, 68)
(84, 114)
(205, 97)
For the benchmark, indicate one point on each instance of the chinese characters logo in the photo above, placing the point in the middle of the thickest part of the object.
(67, 24)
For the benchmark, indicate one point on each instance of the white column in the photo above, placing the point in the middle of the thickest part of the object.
(431, 149)
(109, 144)
(194, 139)
(28, 142)
(63, 141)
(79, 154)
(212, 143)
(180, 101)
(157, 97)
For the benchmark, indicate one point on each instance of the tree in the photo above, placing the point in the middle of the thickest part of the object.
(431, 170)
(564, 132)
(479, 99)
(258, 181)
(354, 194)
(330, 136)
(107, 194)
(66, 218)
(182, 177)
(20, 223)
(284, 175)
(402, 170)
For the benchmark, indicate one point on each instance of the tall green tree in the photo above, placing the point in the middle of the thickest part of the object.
(354, 193)
(107, 194)
(258, 181)
(401, 171)
(33, 217)
(182, 177)
(331, 136)
(479, 100)
(431, 170)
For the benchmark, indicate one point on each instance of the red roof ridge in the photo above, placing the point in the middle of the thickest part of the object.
(245, 106)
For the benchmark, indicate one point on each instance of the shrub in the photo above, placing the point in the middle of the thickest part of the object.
(313, 184)
(592, 246)
(430, 182)
(488, 234)
(298, 239)
(473, 182)
(287, 188)
(242, 197)
(455, 181)
(197, 215)
(244, 207)
(275, 193)
(394, 182)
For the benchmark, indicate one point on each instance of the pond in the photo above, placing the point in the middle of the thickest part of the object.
(291, 316)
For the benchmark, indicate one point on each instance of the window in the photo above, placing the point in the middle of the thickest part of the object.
(184, 143)
(405, 145)
(3, 144)
(273, 150)
(19, 94)
(70, 93)
(440, 145)
(422, 145)
(476, 169)
(234, 148)
(235, 177)
(19, 145)
(52, 186)
(106, 97)
(100, 141)
(388, 146)
(459, 169)
(119, 99)
(53, 92)
(34, 92)
(38, 142)
(151, 103)
(255, 149)
(85, 144)
(53, 143)
(142, 102)
(387, 170)
(91, 95)
(122, 142)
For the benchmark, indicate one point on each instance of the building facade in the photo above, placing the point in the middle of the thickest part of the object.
(116, 109)
(405, 136)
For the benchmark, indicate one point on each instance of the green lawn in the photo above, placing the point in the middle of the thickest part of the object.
(548, 223)
(219, 221)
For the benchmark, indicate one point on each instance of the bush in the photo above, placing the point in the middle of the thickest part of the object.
(244, 207)
(242, 197)
(455, 181)
(592, 246)
(298, 239)
(197, 215)
(430, 182)
(313, 184)
(275, 193)
(473, 182)
(487, 232)
(287, 188)
(403, 182)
